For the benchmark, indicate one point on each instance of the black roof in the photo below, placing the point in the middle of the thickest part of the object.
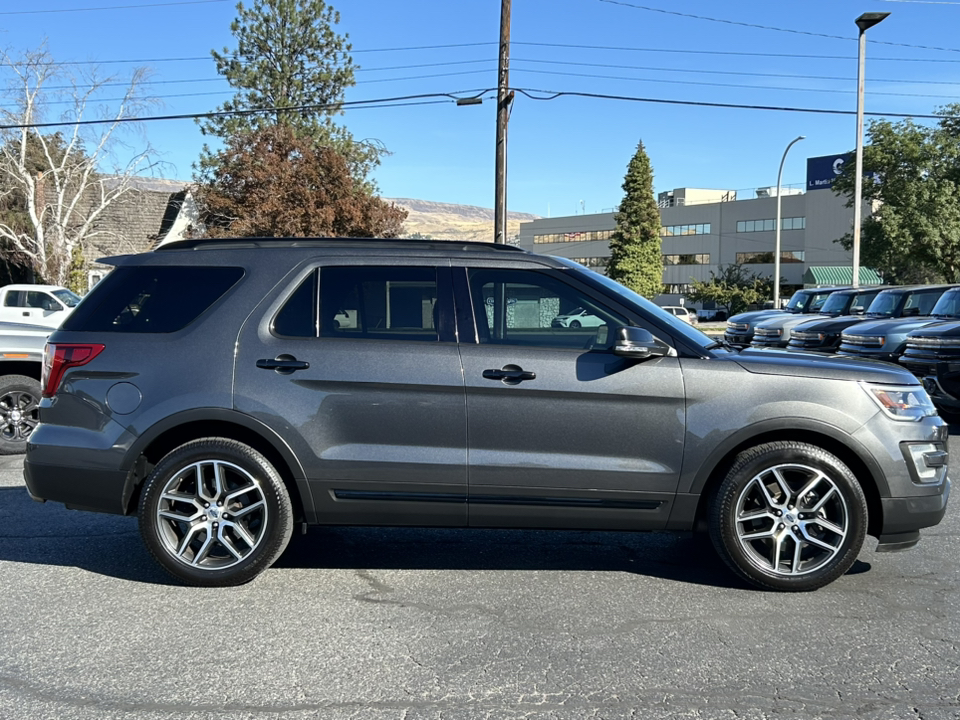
(375, 243)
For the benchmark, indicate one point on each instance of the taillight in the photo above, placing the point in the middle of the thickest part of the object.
(58, 357)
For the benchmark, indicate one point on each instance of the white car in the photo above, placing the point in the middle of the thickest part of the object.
(682, 313)
(577, 318)
(45, 305)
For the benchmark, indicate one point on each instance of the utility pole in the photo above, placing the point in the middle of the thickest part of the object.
(504, 98)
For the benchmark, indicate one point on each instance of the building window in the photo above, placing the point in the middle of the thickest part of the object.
(769, 225)
(677, 289)
(681, 230)
(767, 258)
(702, 259)
(592, 262)
(93, 277)
(578, 236)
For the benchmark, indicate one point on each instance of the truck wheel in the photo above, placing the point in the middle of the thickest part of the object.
(214, 513)
(19, 412)
(789, 516)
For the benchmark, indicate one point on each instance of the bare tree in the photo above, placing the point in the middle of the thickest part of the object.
(56, 183)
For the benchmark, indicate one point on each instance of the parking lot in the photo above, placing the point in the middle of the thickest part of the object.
(369, 623)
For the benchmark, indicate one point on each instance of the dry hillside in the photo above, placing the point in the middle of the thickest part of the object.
(445, 221)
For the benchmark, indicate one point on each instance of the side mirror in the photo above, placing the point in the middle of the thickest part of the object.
(637, 343)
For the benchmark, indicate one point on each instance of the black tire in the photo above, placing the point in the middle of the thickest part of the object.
(789, 516)
(201, 542)
(574, 323)
(19, 412)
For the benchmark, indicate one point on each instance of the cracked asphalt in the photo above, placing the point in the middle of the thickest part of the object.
(429, 624)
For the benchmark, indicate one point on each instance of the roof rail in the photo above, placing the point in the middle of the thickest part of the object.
(247, 242)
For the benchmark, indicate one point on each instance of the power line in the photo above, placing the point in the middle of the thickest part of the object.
(672, 81)
(111, 7)
(769, 27)
(381, 102)
(661, 69)
(462, 94)
(554, 94)
(731, 72)
(686, 51)
(566, 46)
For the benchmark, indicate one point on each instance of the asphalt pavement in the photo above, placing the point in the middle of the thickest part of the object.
(412, 624)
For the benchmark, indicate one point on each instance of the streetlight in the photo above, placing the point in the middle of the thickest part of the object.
(864, 22)
(776, 255)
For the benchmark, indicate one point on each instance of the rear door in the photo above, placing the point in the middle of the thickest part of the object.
(358, 369)
(563, 433)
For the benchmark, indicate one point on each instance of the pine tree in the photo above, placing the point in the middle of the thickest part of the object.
(288, 55)
(635, 258)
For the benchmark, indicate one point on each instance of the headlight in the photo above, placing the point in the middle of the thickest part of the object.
(900, 402)
(808, 336)
(768, 332)
(934, 341)
(863, 339)
(738, 327)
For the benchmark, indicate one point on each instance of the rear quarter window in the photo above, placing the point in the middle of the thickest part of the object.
(151, 298)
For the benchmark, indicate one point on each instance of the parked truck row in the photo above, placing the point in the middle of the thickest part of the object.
(915, 326)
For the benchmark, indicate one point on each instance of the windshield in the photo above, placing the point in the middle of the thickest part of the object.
(797, 302)
(948, 305)
(66, 297)
(676, 325)
(837, 303)
(884, 304)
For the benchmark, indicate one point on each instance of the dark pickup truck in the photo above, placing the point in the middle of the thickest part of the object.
(933, 355)
(823, 335)
(886, 338)
(740, 328)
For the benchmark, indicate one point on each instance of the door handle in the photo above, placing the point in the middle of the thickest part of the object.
(510, 374)
(283, 364)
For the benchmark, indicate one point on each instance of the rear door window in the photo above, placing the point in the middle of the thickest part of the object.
(376, 303)
(151, 298)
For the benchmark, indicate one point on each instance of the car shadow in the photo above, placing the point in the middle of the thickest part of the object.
(110, 545)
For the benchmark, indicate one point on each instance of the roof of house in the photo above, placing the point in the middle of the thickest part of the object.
(839, 275)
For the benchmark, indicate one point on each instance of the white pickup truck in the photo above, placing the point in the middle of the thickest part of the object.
(21, 363)
(44, 305)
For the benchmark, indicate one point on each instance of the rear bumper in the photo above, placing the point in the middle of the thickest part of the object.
(77, 488)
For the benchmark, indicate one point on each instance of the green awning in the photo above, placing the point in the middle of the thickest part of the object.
(839, 275)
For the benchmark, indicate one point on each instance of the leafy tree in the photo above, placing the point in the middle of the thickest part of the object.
(273, 183)
(53, 188)
(734, 288)
(288, 55)
(635, 258)
(912, 180)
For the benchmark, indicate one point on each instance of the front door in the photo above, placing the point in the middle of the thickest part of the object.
(357, 369)
(563, 433)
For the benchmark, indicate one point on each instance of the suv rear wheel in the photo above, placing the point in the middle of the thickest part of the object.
(789, 516)
(214, 512)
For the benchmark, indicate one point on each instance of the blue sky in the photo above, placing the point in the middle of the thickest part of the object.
(567, 154)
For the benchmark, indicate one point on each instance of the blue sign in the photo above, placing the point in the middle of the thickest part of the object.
(822, 171)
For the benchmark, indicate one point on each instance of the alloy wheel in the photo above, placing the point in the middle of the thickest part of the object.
(19, 415)
(791, 519)
(211, 515)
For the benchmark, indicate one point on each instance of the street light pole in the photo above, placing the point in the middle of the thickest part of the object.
(776, 256)
(864, 22)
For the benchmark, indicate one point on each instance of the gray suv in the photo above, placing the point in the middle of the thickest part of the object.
(228, 391)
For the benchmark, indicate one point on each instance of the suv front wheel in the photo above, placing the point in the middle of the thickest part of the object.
(789, 516)
(214, 512)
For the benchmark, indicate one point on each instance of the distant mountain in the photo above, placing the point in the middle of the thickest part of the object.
(446, 221)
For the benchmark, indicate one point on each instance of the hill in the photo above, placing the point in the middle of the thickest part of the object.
(446, 221)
